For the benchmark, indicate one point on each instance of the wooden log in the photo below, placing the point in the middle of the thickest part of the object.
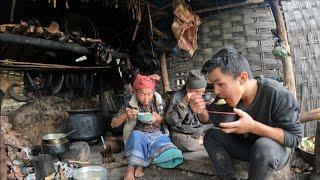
(164, 74)
(43, 166)
(41, 66)
(233, 5)
(310, 115)
(287, 63)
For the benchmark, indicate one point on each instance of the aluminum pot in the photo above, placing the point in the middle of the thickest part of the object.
(87, 123)
(91, 173)
(55, 143)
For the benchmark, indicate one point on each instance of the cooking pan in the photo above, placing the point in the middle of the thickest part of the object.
(54, 139)
(55, 143)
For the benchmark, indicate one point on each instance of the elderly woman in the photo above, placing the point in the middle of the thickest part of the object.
(144, 141)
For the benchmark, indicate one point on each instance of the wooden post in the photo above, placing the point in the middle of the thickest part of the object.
(287, 63)
(317, 151)
(164, 73)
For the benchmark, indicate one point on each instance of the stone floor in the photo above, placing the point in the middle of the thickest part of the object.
(197, 165)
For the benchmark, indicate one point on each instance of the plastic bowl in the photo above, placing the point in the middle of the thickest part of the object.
(218, 117)
(145, 117)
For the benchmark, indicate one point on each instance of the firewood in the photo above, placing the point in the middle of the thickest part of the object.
(20, 28)
(53, 28)
(50, 177)
(2, 29)
(7, 27)
(39, 31)
(93, 40)
(29, 31)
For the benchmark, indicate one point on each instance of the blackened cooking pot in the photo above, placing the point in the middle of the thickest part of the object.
(87, 123)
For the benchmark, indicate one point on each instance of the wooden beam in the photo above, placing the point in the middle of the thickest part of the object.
(308, 116)
(216, 8)
(4, 64)
(287, 62)
(164, 73)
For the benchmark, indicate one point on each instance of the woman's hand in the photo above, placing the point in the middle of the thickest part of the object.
(156, 118)
(131, 113)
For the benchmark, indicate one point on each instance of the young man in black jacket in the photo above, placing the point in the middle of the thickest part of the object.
(268, 124)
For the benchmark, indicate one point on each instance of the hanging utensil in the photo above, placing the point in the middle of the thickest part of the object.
(106, 153)
(103, 142)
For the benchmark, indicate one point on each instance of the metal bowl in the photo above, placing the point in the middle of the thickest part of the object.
(91, 173)
(307, 156)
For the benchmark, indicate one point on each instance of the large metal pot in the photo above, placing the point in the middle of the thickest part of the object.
(88, 123)
(54, 143)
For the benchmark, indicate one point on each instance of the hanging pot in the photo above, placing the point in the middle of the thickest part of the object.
(87, 123)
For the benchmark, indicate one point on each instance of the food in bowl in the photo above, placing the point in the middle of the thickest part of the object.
(308, 144)
(306, 149)
(145, 117)
(218, 117)
(219, 105)
(221, 102)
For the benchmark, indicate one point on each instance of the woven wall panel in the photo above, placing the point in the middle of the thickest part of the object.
(302, 20)
(246, 28)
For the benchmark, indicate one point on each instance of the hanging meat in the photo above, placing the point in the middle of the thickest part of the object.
(185, 27)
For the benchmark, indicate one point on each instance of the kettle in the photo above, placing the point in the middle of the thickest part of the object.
(279, 52)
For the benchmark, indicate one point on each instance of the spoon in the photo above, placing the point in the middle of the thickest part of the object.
(69, 133)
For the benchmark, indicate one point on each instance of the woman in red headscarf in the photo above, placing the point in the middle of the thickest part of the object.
(142, 135)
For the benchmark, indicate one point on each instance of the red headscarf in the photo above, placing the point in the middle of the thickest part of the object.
(145, 82)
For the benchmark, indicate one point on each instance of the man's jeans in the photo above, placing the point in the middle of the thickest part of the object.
(265, 155)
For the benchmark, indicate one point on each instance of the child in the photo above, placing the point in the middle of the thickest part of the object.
(143, 141)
